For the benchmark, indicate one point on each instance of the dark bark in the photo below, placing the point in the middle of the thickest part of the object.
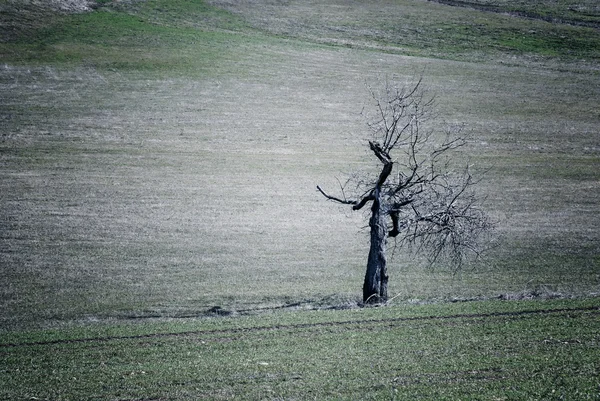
(376, 277)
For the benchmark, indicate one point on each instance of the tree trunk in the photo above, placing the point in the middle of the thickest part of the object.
(376, 278)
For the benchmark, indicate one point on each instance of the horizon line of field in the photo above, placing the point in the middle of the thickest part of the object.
(528, 312)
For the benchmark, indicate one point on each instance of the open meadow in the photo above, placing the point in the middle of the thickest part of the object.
(158, 170)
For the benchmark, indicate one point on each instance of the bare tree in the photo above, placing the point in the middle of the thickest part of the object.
(415, 197)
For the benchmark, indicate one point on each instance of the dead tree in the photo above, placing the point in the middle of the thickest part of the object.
(415, 198)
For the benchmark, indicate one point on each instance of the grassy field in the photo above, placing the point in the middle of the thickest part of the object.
(532, 350)
(158, 160)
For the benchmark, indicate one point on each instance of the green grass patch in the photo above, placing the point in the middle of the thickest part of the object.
(187, 13)
(158, 37)
(567, 42)
(481, 350)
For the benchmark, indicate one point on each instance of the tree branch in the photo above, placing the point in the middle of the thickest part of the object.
(356, 205)
(385, 173)
(363, 202)
(381, 154)
(395, 226)
(333, 198)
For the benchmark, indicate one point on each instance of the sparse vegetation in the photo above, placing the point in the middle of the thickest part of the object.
(156, 157)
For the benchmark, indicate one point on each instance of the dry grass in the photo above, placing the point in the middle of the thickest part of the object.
(124, 193)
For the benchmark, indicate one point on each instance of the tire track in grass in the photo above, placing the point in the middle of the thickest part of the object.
(531, 312)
